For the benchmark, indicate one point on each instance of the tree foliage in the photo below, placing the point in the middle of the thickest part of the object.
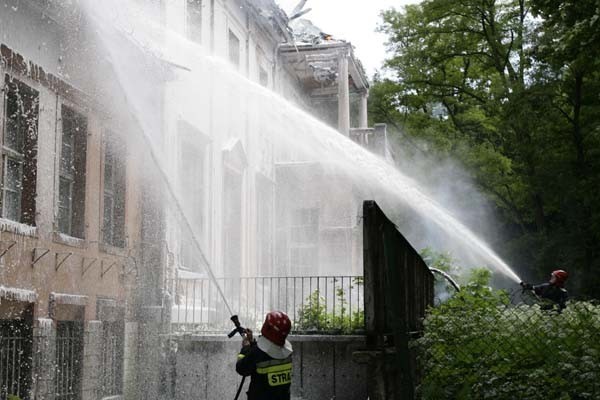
(511, 89)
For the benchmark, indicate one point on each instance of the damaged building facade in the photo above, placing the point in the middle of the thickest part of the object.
(92, 261)
(70, 223)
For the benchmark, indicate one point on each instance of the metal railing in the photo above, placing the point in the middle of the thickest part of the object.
(15, 358)
(69, 360)
(313, 303)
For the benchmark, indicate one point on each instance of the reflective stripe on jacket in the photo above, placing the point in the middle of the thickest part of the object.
(270, 378)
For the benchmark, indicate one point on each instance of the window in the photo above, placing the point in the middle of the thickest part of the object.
(232, 222)
(111, 377)
(68, 360)
(71, 186)
(336, 249)
(194, 20)
(16, 345)
(263, 77)
(304, 239)
(113, 226)
(234, 49)
(194, 191)
(265, 216)
(19, 151)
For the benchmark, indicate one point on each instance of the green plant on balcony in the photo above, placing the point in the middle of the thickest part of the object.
(315, 315)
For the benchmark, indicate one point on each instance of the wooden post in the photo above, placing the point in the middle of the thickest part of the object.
(374, 298)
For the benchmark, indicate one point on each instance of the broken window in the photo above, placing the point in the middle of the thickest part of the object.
(234, 49)
(194, 190)
(304, 239)
(194, 20)
(19, 151)
(71, 186)
(113, 226)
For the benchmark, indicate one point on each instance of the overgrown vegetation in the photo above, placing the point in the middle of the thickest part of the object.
(477, 346)
(317, 315)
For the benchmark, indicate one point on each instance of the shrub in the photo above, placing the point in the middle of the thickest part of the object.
(478, 346)
(315, 315)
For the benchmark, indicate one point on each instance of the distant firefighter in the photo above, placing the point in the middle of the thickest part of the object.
(268, 359)
(553, 290)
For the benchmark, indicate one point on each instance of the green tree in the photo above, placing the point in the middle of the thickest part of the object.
(510, 89)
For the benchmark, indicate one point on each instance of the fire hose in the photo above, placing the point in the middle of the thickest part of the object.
(242, 331)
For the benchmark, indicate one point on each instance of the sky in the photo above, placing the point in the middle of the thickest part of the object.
(354, 21)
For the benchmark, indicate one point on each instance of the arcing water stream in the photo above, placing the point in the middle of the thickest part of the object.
(166, 77)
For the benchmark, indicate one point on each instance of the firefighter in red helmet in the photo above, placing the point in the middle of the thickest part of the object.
(268, 359)
(553, 290)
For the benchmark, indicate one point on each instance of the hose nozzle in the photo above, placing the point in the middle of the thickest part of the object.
(238, 327)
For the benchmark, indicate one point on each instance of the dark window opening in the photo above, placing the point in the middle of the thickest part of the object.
(234, 49)
(113, 336)
(69, 360)
(194, 20)
(113, 227)
(16, 355)
(19, 151)
(71, 187)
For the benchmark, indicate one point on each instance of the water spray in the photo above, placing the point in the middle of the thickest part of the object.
(318, 139)
(170, 191)
(184, 219)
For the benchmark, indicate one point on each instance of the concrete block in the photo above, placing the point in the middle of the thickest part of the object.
(350, 378)
(318, 370)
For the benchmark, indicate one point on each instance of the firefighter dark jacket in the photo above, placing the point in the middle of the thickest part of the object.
(553, 293)
(271, 377)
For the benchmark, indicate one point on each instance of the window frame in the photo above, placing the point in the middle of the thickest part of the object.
(193, 138)
(116, 196)
(232, 33)
(17, 156)
(190, 32)
(81, 112)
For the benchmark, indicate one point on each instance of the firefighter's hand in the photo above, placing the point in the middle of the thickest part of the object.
(526, 286)
(248, 338)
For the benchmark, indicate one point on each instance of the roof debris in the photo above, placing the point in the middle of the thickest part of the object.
(305, 32)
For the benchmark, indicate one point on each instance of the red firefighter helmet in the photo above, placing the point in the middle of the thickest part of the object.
(276, 327)
(560, 276)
